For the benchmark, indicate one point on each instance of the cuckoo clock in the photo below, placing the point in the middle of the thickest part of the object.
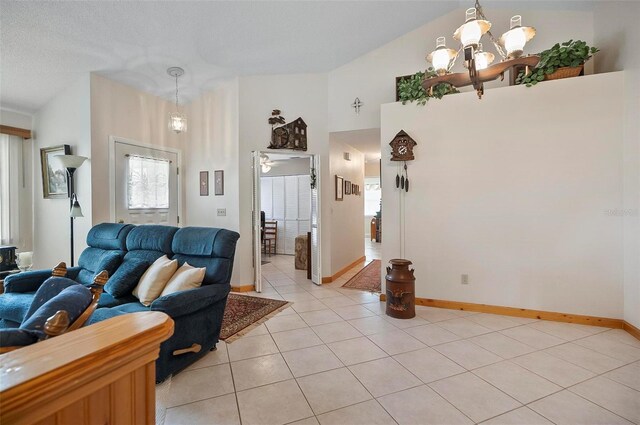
(402, 150)
(402, 147)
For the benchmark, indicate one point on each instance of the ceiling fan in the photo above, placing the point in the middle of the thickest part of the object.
(266, 163)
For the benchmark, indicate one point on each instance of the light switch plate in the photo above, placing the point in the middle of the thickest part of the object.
(222, 212)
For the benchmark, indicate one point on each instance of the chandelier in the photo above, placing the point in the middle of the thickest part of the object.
(510, 47)
(177, 121)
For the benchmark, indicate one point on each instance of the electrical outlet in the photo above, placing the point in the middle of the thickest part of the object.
(222, 212)
(464, 279)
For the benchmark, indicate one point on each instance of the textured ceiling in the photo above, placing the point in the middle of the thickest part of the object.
(45, 46)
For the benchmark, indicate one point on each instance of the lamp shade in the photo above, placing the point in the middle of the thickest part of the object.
(71, 161)
(472, 30)
(441, 57)
(515, 39)
(76, 210)
(177, 122)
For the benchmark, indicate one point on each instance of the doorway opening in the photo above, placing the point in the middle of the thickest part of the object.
(368, 142)
(286, 222)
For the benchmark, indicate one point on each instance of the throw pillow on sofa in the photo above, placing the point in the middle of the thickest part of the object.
(125, 279)
(186, 277)
(154, 280)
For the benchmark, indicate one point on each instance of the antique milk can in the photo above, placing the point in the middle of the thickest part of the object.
(401, 297)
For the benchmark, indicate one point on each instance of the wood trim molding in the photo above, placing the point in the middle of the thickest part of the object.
(635, 332)
(520, 312)
(343, 270)
(15, 131)
(243, 288)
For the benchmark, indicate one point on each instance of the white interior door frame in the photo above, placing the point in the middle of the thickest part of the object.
(112, 171)
(314, 162)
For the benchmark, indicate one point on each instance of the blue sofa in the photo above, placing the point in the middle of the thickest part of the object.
(197, 312)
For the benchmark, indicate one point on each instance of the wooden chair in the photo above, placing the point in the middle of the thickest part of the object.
(270, 238)
(58, 324)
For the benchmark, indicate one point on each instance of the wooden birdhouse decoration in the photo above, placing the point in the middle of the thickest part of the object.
(402, 147)
(402, 150)
(288, 136)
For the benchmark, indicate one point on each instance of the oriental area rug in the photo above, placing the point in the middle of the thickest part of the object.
(244, 313)
(367, 279)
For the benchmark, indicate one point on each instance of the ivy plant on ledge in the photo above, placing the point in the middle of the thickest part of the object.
(410, 88)
(561, 61)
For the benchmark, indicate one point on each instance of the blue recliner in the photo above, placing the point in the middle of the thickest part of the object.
(106, 248)
(197, 312)
(54, 295)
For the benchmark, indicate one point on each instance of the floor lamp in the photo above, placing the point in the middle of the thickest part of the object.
(71, 163)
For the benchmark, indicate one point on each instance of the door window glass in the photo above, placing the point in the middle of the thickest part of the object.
(147, 183)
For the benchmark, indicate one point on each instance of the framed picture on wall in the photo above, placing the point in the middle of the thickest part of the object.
(218, 176)
(54, 175)
(339, 188)
(347, 187)
(353, 189)
(204, 183)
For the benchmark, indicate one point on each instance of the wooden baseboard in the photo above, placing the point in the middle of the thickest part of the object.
(343, 270)
(243, 288)
(635, 332)
(523, 312)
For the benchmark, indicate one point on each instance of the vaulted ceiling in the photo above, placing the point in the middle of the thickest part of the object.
(45, 46)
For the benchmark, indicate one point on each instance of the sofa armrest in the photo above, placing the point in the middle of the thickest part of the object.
(187, 302)
(30, 281)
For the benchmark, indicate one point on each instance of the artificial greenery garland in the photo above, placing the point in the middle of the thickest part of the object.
(568, 54)
(410, 89)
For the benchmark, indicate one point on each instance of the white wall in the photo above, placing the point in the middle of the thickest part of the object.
(299, 95)
(347, 235)
(66, 119)
(213, 145)
(15, 119)
(372, 169)
(371, 77)
(616, 33)
(522, 210)
(122, 111)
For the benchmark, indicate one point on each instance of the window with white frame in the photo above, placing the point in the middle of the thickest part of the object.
(147, 183)
(11, 174)
(372, 195)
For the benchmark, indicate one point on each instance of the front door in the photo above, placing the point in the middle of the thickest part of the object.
(146, 185)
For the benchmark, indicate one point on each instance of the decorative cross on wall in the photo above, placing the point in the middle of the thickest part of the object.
(357, 105)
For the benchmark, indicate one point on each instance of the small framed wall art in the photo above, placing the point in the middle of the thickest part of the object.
(218, 177)
(54, 175)
(204, 183)
(339, 188)
(347, 187)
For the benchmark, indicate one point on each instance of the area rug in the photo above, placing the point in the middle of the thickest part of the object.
(244, 313)
(367, 279)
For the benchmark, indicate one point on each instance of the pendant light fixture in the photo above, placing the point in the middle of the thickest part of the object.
(177, 121)
(510, 47)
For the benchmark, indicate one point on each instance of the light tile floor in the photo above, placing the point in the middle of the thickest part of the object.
(336, 358)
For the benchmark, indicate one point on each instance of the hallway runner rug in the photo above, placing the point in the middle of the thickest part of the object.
(367, 279)
(244, 313)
